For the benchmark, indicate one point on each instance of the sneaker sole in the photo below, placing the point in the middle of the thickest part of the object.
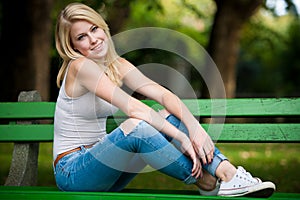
(265, 193)
(263, 190)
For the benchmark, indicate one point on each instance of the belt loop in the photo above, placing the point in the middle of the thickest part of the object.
(82, 147)
(59, 156)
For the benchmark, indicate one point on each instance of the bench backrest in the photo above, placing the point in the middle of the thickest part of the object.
(272, 129)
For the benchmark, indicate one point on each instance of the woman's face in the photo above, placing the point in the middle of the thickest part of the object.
(89, 40)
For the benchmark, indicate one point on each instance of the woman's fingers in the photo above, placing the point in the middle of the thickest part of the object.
(189, 149)
(203, 146)
(209, 158)
(205, 151)
(203, 157)
(200, 152)
(206, 158)
(209, 151)
(197, 168)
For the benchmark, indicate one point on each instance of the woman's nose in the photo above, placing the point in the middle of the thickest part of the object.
(93, 39)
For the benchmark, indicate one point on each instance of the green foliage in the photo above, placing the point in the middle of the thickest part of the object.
(291, 60)
(268, 59)
(177, 15)
(182, 16)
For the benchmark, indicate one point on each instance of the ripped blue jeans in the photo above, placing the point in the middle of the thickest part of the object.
(115, 160)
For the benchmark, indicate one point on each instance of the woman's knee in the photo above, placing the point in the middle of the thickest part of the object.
(129, 125)
(138, 128)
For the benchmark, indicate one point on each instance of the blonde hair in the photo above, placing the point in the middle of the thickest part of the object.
(70, 14)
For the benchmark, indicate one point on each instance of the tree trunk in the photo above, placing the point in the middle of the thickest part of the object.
(26, 40)
(118, 12)
(224, 42)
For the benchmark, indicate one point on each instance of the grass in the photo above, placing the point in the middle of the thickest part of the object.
(277, 162)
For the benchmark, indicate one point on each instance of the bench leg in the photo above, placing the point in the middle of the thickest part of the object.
(24, 164)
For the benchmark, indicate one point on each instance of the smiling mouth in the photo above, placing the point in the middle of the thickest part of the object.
(98, 46)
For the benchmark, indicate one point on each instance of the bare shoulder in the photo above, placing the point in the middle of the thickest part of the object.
(75, 65)
(73, 88)
(84, 66)
(78, 63)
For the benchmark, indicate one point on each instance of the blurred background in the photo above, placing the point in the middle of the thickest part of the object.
(254, 43)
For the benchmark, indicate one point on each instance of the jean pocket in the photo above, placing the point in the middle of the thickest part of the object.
(62, 176)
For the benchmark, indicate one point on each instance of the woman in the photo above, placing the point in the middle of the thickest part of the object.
(86, 158)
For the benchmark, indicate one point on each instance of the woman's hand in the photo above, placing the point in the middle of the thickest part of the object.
(188, 149)
(203, 145)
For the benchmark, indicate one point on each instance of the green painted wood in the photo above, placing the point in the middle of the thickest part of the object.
(23, 192)
(242, 107)
(24, 132)
(250, 107)
(27, 110)
(218, 132)
(254, 132)
(238, 107)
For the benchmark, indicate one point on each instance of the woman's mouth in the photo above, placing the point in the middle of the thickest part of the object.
(98, 47)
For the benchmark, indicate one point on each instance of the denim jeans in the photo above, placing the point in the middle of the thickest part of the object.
(115, 160)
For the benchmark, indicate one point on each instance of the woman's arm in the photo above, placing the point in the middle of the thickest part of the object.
(93, 78)
(201, 141)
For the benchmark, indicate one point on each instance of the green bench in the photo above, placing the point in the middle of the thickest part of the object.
(30, 122)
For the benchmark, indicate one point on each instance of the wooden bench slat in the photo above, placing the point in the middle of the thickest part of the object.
(255, 132)
(246, 107)
(238, 107)
(21, 192)
(27, 110)
(11, 192)
(229, 132)
(23, 132)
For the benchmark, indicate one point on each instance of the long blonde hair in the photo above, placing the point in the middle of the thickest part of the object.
(70, 14)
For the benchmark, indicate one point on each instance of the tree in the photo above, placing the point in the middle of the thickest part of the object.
(25, 39)
(224, 40)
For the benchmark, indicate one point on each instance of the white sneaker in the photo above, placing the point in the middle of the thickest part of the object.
(243, 184)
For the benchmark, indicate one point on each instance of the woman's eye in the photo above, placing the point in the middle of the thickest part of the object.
(94, 28)
(80, 37)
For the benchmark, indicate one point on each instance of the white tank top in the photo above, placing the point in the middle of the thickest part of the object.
(79, 121)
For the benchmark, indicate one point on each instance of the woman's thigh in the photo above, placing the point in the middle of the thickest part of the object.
(94, 169)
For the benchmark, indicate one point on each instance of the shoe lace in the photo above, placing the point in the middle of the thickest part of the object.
(245, 172)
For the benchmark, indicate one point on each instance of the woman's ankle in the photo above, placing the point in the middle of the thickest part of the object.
(207, 182)
(225, 171)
